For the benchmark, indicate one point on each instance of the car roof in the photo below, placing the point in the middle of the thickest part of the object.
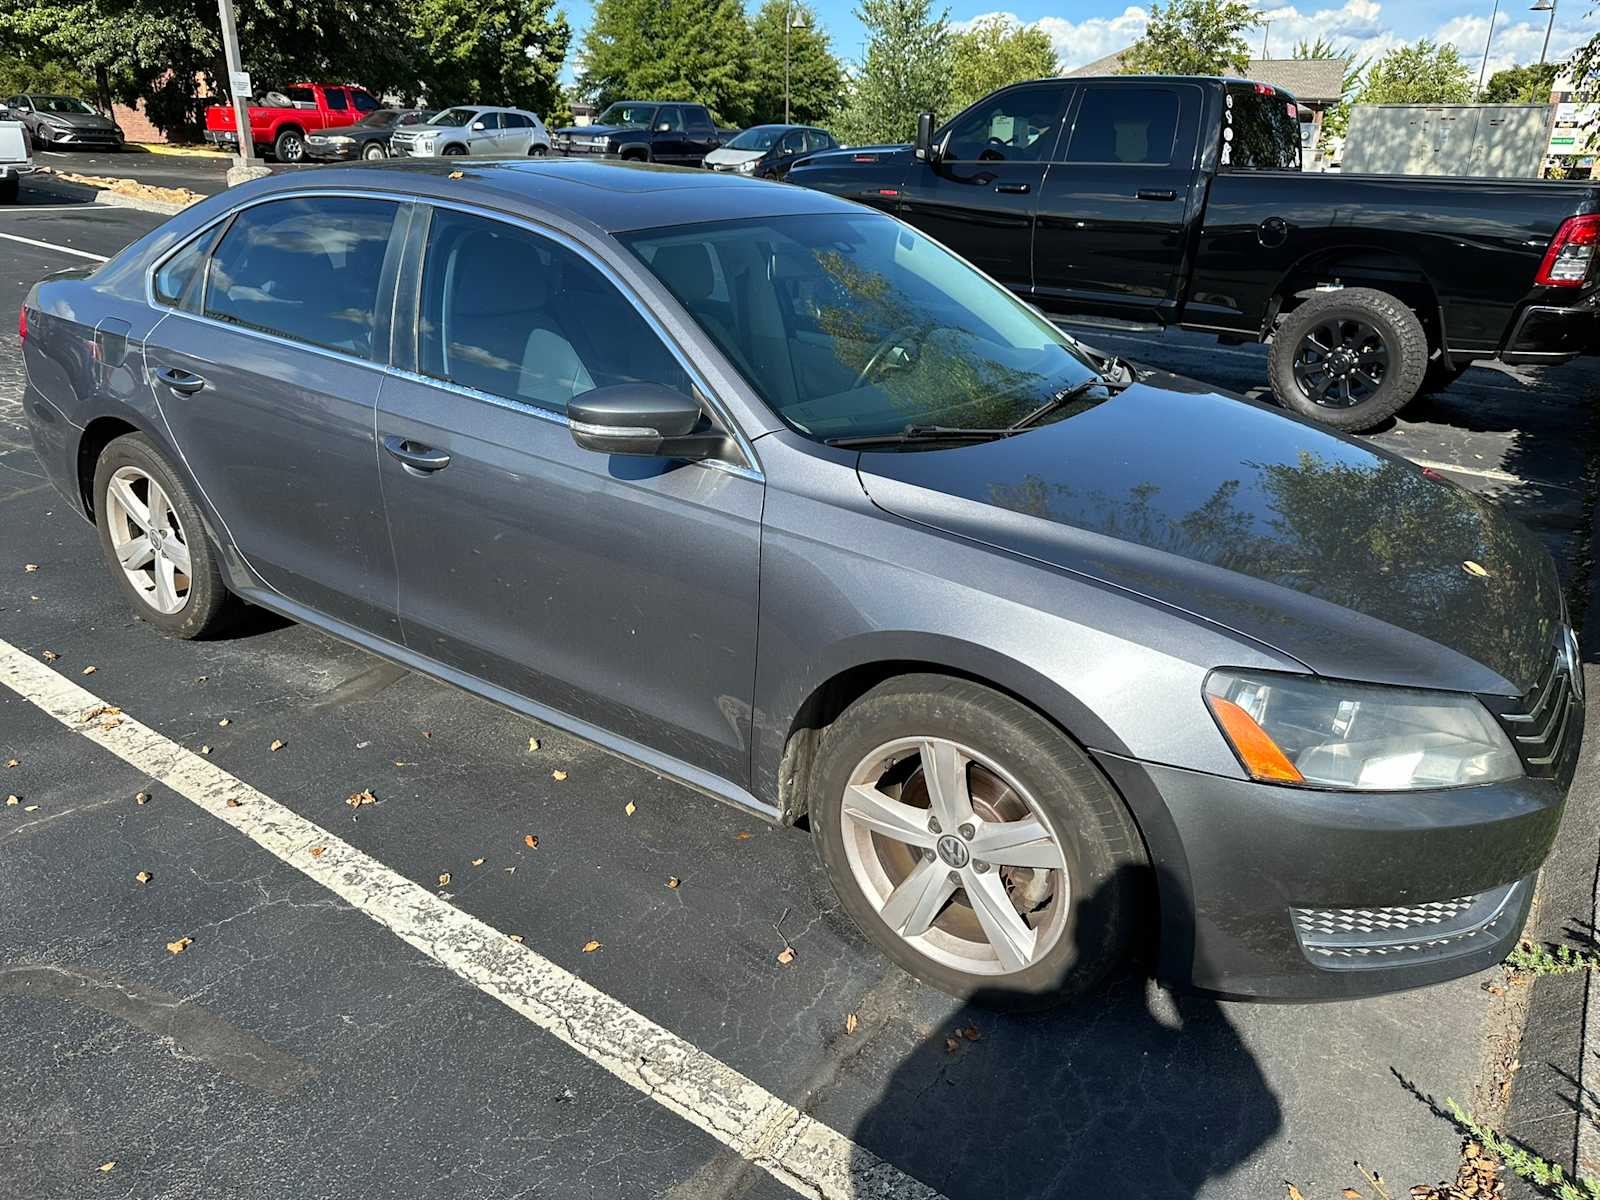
(611, 197)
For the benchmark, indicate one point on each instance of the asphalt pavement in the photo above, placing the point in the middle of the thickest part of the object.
(360, 1022)
(205, 174)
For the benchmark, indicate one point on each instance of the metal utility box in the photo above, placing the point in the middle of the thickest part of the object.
(1500, 141)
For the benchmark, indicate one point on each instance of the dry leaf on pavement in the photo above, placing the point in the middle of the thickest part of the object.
(1352, 1194)
(786, 955)
(358, 799)
(591, 946)
(852, 1023)
(276, 744)
(742, 836)
(318, 851)
(1293, 1193)
(971, 1033)
(30, 808)
(144, 876)
(444, 878)
(630, 809)
(13, 801)
(90, 670)
(234, 802)
(531, 842)
(673, 881)
(30, 568)
(108, 1166)
(951, 1045)
(224, 723)
(141, 797)
(51, 656)
(477, 862)
(516, 937)
(458, 175)
(179, 946)
(1472, 568)
(205, 749)
(533, 744)
(558, 776)
(13, 762)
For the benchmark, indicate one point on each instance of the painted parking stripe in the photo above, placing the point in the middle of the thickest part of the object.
(795, 1149)
(28, 241)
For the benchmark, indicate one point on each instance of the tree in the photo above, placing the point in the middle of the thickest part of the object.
(816, 78)
(1193, 37)
(905, 72)
(1521, 85)
(994, 52)
(1422, 73)
(1336, 120)
(491, 51)
(669, 50)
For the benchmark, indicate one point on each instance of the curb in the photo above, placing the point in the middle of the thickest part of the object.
(62, 189)
(174, 151)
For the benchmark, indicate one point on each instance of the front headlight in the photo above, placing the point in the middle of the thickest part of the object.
(338, 139)
(1312, 732)
(748, 168)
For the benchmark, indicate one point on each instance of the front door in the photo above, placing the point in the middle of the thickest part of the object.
(268, 380)
(979, 198)
(671, 141)
(620, 591)
(483, 135)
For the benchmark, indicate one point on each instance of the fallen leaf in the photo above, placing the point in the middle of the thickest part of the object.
(533, 744)
(51, 656)
(318, 851)
(1294, 1193)
(951, 1045)
(179, 946)
(630, 809)
(1351, 1194)
(426, 734)
(30, 808)
(786, 955)
(457, 175)
(234, 802)
(361, 798)
(13, 800)
(558, 776)
(276, 745)
(13, 762)
(673, 881)
(531, 842)
(205, 749)
(109, 1166)
(141, 797)
(511, 870)
(1472, 568)
(477, 862)
(851, 1023)
(30, 568)
(971, 1033)
(591, 946)
(143, 877)
(516, 937)
(444, 878)
(742, 836)
(90, 670)
(224, 723)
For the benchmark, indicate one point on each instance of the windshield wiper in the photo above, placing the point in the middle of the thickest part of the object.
(921, 433)
(1065, 397)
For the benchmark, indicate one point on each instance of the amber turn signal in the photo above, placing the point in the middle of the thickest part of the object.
(1258, 752)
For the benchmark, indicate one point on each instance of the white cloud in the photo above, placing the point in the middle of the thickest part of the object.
(1079, 42)
(1514, 41)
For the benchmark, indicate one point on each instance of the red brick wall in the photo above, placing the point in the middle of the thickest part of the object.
(135, 124)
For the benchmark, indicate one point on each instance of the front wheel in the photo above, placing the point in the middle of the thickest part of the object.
(454, 150)
(289, 147)
(975, 843)
(1350, 358)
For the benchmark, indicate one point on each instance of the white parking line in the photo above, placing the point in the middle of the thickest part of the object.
(27, 241)
(795, 1149)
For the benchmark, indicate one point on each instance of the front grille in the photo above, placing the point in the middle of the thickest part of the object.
(1539, 722)
(1351, 938)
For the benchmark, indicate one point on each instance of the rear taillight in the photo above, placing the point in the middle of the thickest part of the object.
(22, 323)
(1571, 254)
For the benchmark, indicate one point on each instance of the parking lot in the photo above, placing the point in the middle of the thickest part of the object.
(527, 968)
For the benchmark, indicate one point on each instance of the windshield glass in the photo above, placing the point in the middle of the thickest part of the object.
(454, 117)
(761, 137)
(631, 115)
(852, 324)
(61, 104)
(379, 117)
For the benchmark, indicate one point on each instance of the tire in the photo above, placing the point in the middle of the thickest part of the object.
(1362, 351)
(1082, 916)
(537, 151)
(374, 152)
(289, 146)
(454, 150)
(204, 603)
(10, 189)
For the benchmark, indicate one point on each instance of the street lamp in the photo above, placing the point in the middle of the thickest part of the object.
(791, 20)
(1548, 6)
(1484, 66)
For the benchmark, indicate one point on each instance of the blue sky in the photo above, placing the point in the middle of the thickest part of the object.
(1083, 30)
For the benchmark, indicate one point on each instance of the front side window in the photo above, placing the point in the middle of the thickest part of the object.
(629, 116)
(1020, 125)
(793, 142)
(670, 120)
(487, 122)
(699, 119)
(336, 99)
(508, 312)
(307, 268)
(851, 324)
(1125, 125)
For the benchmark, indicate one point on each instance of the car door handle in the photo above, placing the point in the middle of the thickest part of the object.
(1014, 189)
(416, 456)
(1157, 194)
(186, 382)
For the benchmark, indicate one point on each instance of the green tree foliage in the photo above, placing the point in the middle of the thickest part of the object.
(491, 51)
(816, 78)
(994, 52)
(669, 50)
(1193, 37)
(906, 71)
(1422, 73)
(1521, 85)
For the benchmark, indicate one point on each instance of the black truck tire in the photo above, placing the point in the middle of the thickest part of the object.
(1349, 359)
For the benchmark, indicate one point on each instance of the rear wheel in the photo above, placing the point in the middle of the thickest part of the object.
(289, 146)
(975, 843)
(373, 151)
(1350, 359)
(537, 151)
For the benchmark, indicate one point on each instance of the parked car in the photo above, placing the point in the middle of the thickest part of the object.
(472, 129)
(646, 131)
(1180, 201)
(16, 158)
(280, 124)
(63, 122)
(768, 151)
(367, 138)
(776, 496)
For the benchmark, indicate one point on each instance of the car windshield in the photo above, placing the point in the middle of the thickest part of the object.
(454, 117)
(630, 115)
(62, 104)
(380, 117)
(852, 324)
(761, 137)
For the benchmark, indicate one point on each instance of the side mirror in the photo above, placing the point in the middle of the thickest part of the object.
(644, 419)
(924, 150)
(664, 127)
(477, 125)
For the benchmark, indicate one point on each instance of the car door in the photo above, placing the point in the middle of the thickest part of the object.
(979, 197)
(483, 134)
(1113, 215)
(790, 147)
(338, 112)
(619, 591)
(670, 142)
(700, 134)
(267, 372)
(516, 134)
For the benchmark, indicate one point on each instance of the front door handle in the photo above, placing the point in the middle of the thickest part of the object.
(1014, 189)
(1157, 194)
(186, 382)
(415, 456)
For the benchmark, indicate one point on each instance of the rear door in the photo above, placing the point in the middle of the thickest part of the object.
(1113, 215)
(516, 133)
(339, 111)
(700, 135)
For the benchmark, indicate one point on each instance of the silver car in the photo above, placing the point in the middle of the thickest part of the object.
(480, 132)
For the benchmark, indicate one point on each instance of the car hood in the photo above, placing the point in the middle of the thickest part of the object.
(890, 153)
(584, 131)
(1355, 562)
(77, 120)
(724, 156)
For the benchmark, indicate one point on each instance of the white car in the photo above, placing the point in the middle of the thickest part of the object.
(480, 132)
(16, 157)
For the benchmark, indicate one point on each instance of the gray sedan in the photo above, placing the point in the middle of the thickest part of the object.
(1056, 659)
(57, 122)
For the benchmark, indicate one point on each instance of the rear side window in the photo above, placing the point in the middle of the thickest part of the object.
(335, 98)
(301, 97)
(699, 118)
(1260, 129)
(178, 281)
(511, 313)
(363, 102)
(515, 121)
(308, 269)
(1125, 125)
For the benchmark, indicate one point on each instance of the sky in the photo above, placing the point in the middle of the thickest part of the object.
(1084, 30)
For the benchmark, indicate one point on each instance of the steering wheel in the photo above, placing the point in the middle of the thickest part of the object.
(881, 351)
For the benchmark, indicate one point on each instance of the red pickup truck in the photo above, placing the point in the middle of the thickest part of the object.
(280, 125)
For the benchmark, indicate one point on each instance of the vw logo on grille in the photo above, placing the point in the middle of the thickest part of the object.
(954, 851)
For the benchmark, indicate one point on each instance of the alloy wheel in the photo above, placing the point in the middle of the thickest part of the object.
(1341, 362)
(148, 539)
(955, 856)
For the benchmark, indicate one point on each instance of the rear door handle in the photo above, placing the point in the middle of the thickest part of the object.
(415, 456)
(186, 382)
(1014, 189)
(1157, 194)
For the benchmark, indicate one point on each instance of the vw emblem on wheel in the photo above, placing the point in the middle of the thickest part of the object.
(954, 851)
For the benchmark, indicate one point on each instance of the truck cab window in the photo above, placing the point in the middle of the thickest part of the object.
(1260, 130)
(1019, 125)
(670, 120)
(1125, 125)
(336, 100)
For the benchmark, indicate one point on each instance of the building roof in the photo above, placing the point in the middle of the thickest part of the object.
(1111, 64)
(1314, 80)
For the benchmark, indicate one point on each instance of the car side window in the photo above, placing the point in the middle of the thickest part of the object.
(1125, 124)
(508, 312)
(177, 282)
(670, 119)
(515, 121)
(793, 142)
(363, 102)
(336, 99)
(818, 140)
(304, 268)
(301, 97)
(1018, 125)
(488, 121)
(699, 118)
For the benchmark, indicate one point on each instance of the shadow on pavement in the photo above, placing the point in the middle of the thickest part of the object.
(1130, 1091)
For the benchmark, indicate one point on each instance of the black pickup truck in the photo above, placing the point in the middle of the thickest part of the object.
(645, 131)
(1180, 201)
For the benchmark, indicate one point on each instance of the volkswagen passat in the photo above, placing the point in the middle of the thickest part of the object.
(776, 496)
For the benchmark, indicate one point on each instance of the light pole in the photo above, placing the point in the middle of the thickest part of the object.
(791, 20)
(1484, 66)
(1548, 6)
(247, 167)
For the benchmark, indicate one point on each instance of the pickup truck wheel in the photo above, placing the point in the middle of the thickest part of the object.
(1350, 359)
(9, 190)
(290, 146)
